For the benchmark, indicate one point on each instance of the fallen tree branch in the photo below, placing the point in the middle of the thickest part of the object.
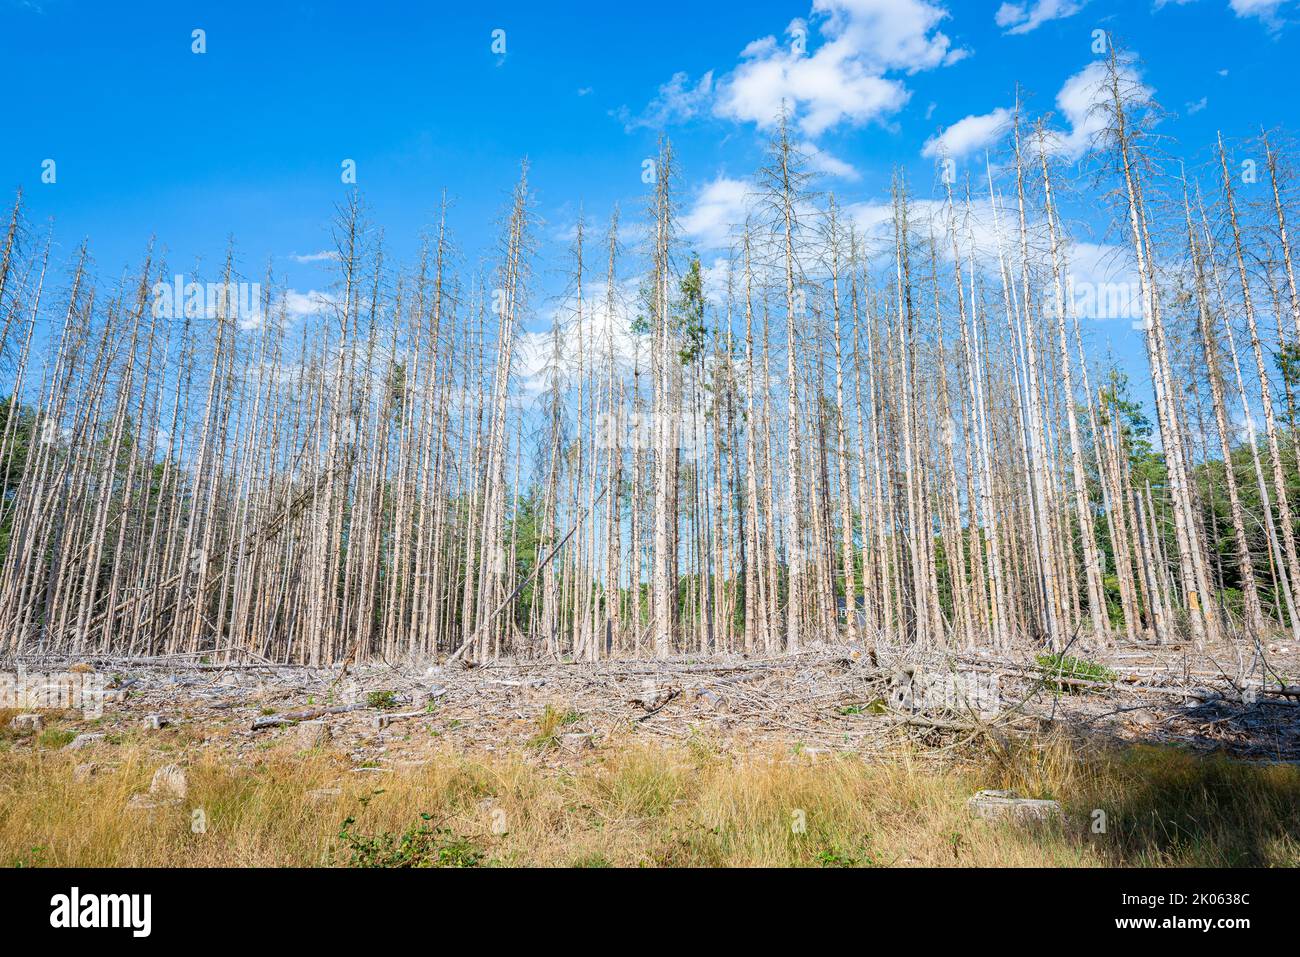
(279, 720)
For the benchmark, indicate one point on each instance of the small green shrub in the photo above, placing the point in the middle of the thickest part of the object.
(421, 845)
(1068, 666)
(382, 699)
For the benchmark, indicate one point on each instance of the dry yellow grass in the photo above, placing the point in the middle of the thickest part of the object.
(636, 805)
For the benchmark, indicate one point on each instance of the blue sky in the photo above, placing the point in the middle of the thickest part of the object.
(246, 139)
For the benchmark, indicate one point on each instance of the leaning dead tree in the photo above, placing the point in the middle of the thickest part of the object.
(867, 420)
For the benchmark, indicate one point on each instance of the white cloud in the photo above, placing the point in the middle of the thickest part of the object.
(968, 135)
(1024, 17)
(821, 161)
(606, 321)
(715, 275)
(975, 224)
(291, 306)
(820, 91)
(299, 305)
(890, 34)
(840, 80)
(843, 80)
(1100, 279)
(676, 100)
(323, 256)
(1266, 10)
(1197, 106)
(720, 206)
(1078, 101)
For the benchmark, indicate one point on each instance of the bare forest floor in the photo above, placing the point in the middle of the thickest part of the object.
(841, 755)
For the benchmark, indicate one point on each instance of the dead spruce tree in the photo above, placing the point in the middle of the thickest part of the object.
(862, 421)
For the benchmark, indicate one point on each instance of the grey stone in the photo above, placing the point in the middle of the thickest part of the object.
(313, 734)
(169, 781)
(27, 722)
(1143, 717)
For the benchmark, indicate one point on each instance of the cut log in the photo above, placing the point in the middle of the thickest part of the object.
(1009, 806)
